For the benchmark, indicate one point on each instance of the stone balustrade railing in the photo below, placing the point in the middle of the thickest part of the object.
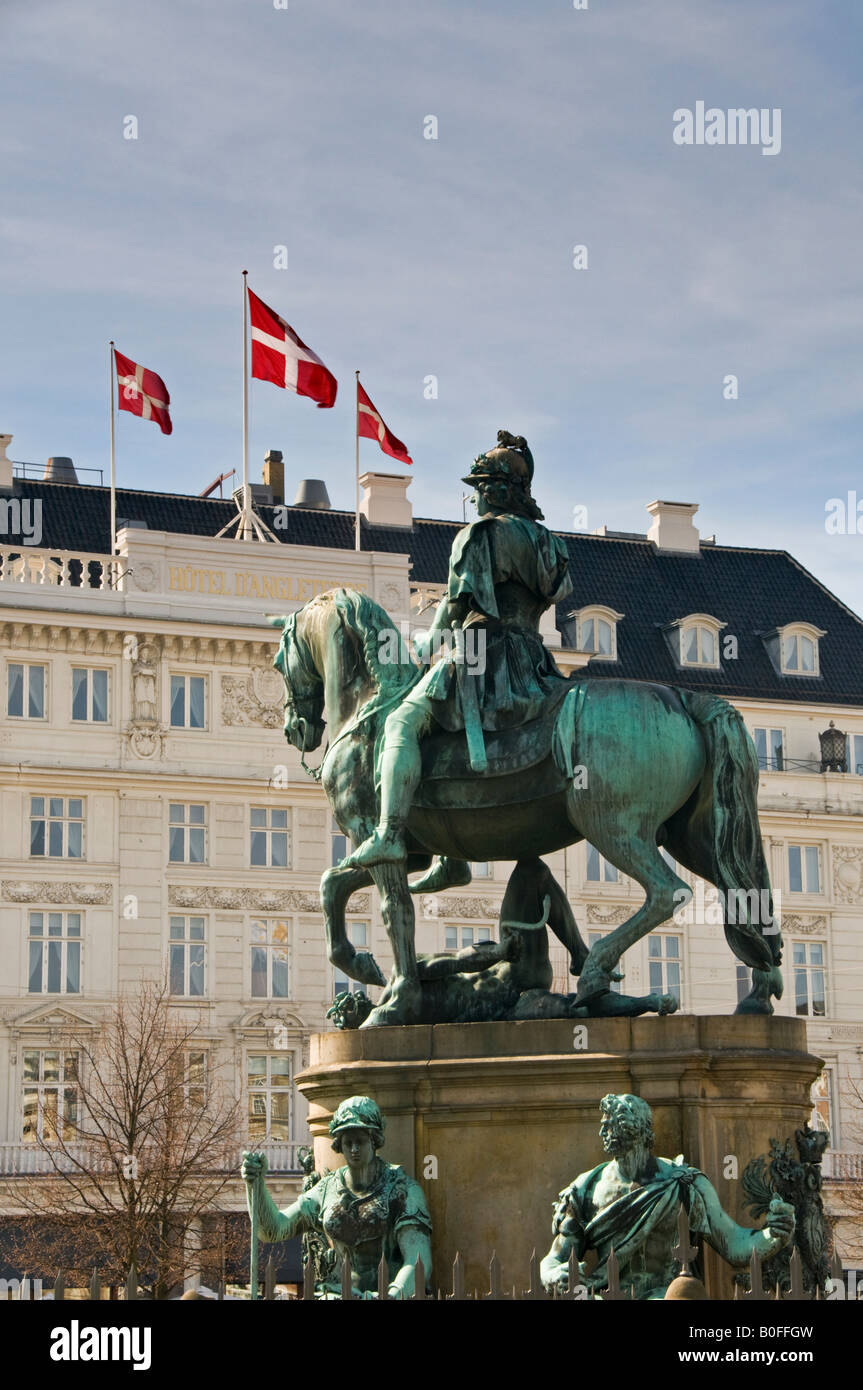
(23, 1160)
(65, 569)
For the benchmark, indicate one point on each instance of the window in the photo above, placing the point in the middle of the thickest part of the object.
(592, 938)
(698, 646)
(187, 834)
(595, 631)
(809, 996)
(186, 956)
(480, 869)
(56, 827)
(89, 695)
(803, 869)
(744, 982)
(55, 953)
(663, 955)
(458, 938)
(358, 934)
(338, 843)
(269, 959)
(269, 838)
(50, 1095)
(768, 746)
(855, 754)
(195, 1084)
(270, 1097)
(188, 702)
(798, 654)
(598, 868)
(822, 1105)
(26, 692)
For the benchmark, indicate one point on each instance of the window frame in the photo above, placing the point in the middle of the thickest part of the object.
(269, 947)
(805, 890)
(89, 672)
(267, 1091)
(603, 865)
(64, 940)
(460, 928)
(41, 1086)
(64, 820)
(185, 945)
(186, 726)
(775, 643)
(807, 969)
(268, 831)
(770, 763)
(699, 621)
(593, 613)
(353, 986)
(663, 959)
(187, 826)
(27, 667)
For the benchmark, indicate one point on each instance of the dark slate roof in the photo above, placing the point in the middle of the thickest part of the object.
(752, 591)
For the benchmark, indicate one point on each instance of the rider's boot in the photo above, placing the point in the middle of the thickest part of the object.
(401, 768)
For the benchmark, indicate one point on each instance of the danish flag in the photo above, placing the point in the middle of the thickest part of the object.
(142, 392)
(279, 356)
(371, 426)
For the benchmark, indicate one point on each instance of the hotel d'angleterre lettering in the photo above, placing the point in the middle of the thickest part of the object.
(189, 579)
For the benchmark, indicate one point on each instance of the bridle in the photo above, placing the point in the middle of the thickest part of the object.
(305, 704)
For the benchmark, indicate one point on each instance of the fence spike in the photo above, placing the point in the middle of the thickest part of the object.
(419, 1280)
(24, 1288)
(347, 1289)
(270, 1279)
(308, 1279)
(756, 1290)
(683, 1251)
(797, 1293)
(59, 1287)
(495, 1291)
(458, 1292)
(383, 1280)
(836, 1270)
(534, 1288)
(613, 1293)
(95, 1290)
(132, 1284)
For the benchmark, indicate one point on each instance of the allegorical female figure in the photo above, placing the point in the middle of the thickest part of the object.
(365, 1209)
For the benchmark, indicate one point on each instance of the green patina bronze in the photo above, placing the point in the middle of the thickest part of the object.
(492, 754)
(364, 1211)
(631, 1204)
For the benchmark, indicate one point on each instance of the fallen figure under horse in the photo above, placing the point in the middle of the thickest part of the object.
(630, 766)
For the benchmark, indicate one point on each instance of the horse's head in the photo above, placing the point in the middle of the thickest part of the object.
(304, 686)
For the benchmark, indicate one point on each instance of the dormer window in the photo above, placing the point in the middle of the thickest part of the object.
(596, 631)
(794, 649)
(699, 640)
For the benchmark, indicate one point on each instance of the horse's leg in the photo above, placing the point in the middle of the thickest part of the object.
(664, 893)
(444, 873)
(563, 923)
(337, 885)
(404, 995)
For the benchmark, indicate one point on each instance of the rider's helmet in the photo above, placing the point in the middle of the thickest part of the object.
(504, 474)
(357, 1112)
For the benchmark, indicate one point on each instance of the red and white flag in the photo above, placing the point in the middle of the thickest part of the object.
(142, 392)
(371, 426)
(279, 356)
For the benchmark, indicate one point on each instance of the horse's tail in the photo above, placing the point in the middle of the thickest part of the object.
(724, 812)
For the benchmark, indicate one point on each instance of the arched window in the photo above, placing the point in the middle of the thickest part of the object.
(596, 631)
(699, 640)
(794, 649)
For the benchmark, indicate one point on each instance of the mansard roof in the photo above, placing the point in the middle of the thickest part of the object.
(752, 591)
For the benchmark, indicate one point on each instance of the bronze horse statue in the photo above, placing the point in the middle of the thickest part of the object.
(628, 765)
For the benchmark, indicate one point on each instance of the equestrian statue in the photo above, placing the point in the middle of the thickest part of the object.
(491, 753)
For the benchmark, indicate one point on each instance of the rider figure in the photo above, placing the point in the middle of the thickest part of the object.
(505, 570)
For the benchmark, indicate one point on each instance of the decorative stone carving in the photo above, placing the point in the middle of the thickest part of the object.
(255, 699)
(264, 900)
(390, 597)
(145, 666)
(87, 894)
(435, 905)
(848, 873)
(803, 926)
(601, 915)
(144, 576)
(146, 743)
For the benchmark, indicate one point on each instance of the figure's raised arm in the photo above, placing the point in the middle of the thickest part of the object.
(272, 1223)
(737, 1243)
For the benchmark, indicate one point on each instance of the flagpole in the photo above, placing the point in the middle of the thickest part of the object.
(357, 545)
(246, 499)
(111, 366)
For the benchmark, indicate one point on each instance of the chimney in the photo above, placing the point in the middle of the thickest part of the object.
(5, 464)
(312, 492)
(672, 527)
(59, 470)
(274, 476)
(383, 502)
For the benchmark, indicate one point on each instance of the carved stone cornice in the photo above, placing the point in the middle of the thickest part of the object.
(73, 638)
(263, 900)
(445, 905)
(848, 874)
(52, 891)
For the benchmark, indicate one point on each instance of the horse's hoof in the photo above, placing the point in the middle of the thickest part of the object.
(404, 1006)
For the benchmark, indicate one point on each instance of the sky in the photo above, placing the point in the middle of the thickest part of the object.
(408, 257)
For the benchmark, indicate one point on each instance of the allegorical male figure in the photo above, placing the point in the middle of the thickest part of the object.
(505, 570)
(632, 1203)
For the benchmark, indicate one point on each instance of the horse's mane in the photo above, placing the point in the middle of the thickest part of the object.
(373, 628)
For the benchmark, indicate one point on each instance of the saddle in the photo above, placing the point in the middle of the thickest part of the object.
(447, 776)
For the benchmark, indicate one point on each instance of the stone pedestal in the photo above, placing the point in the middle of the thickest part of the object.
(494, 1119)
